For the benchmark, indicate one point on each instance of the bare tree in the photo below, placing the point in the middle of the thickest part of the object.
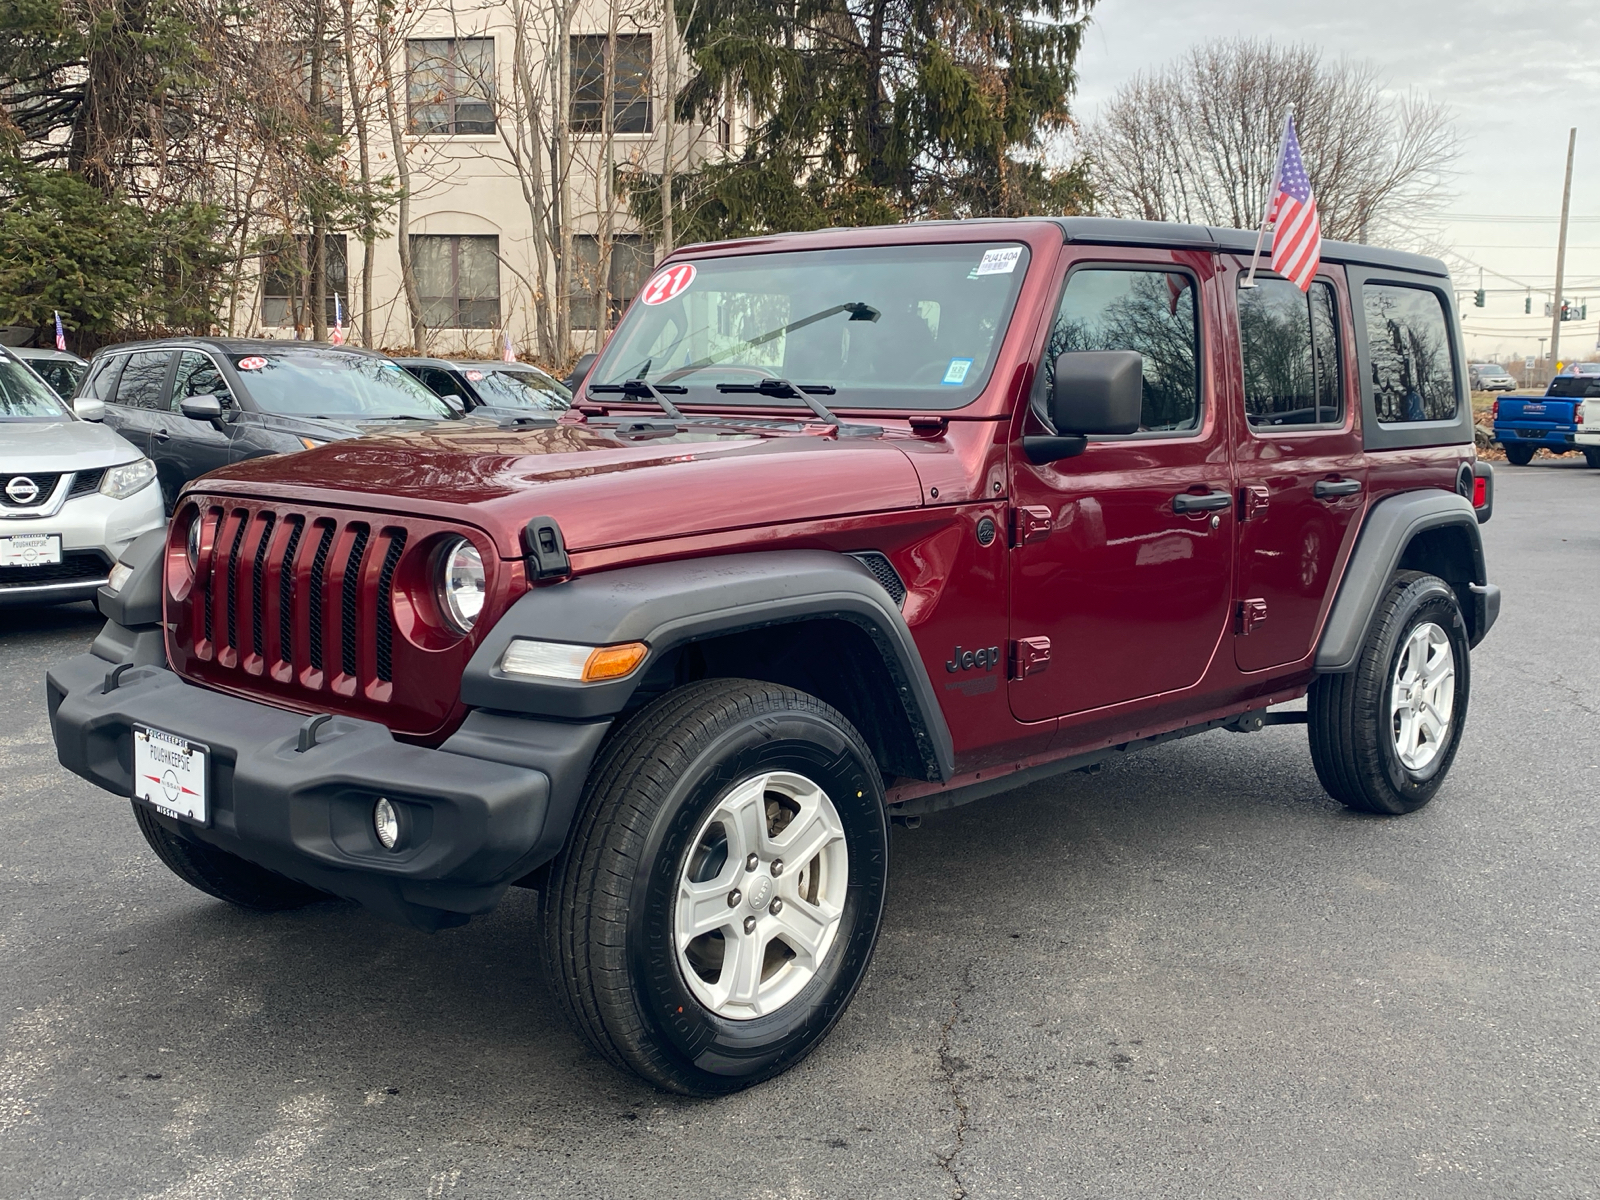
(1197, 141)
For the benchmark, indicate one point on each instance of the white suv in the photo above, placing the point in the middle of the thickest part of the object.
(73, 494)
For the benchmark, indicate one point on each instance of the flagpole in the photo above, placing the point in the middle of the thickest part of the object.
(1266, 208)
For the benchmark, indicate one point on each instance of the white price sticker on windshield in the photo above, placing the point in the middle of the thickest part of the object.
(1000, 262)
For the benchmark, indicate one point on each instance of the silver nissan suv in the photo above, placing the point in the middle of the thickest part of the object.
(73, 494)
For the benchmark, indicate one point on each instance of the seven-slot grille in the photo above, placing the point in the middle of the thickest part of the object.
(299, 599)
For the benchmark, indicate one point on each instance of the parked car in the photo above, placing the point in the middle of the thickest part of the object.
(800, 565)
(490, 388)
(196, 404)
(1525, 425)
(59, 369)
(1587, 435)
(1491, 377)
(73, 495)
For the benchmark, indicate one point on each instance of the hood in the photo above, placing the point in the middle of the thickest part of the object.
(333, 429)
(604, 486)
(68, 445)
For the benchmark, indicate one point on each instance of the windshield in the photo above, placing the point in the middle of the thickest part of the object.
(865, 327)
(524, 388)
(24, 396)
(326, 383)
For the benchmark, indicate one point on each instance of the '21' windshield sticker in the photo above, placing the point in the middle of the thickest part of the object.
(999, 262)
(253, 363)
(956, 372)
(669, 284)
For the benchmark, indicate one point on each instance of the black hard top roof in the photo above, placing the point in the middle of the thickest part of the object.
(477, 364)
(238, 345)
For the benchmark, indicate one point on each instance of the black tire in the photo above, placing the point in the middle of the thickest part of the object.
(1519, 454)
(220, 874)
(607, 915)
(1351, 716)
(1592, 458)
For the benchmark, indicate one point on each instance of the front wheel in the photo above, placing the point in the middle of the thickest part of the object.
(1519, 454)
(720, 897)
(1384, 735)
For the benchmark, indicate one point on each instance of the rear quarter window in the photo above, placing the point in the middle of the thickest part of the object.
(1408, 341)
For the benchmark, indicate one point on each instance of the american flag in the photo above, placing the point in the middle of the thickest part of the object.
(1296, 230)
(61, 335)
(336, 337)
(508, 352)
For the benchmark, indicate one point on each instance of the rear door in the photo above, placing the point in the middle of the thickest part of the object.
(141, 391)
(1122, 565)
(1301, 470)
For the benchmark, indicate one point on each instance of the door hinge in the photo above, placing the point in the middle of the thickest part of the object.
(1251, 613)
(1254, 500)
(1031, 523)
(1029, 656)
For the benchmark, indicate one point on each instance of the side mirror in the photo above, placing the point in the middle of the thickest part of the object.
(455, 404)
(202, 408)
(87, 408)
(580, 372)
(1096, 392)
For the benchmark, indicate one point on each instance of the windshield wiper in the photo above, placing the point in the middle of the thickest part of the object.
(807, 394)
(643, 389)
(858, 312)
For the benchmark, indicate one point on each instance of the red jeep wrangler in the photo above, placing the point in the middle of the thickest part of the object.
(676, 658)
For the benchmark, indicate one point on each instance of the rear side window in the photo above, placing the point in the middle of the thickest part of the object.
(1149, 310)
(102, 383)
(144, 379)
(1290, 345)
(1413, 376)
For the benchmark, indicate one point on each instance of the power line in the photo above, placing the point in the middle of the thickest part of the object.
(1516, 220)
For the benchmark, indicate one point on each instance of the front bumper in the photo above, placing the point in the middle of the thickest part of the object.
(476, 825)
(95, 530)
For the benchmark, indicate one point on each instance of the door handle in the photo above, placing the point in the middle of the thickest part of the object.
(1188, 502)
(1326, 489)
(161, 435)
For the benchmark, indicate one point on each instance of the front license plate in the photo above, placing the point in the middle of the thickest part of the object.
(30, 550)
(169, 773)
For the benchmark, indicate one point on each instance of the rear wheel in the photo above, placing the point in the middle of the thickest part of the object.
(1384, 735)
(720, 897)
(1592, 458)
(220, 874)
(1519, 454)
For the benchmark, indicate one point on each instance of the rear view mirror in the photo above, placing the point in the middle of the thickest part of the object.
(88, 408)
(580, 371)
(1096, 392)
(202, 408)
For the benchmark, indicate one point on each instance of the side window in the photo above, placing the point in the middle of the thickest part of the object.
(442, 382)
(197, 376)
(102, 382)
(1290, 344)
(1413, 377)
(143, 379)
(1144, 309)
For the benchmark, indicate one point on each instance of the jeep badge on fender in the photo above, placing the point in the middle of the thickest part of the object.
(688, 725)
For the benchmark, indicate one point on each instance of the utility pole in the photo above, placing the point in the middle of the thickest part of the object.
(1561, 251)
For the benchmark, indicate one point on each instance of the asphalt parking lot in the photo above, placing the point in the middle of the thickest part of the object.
(1190, 975)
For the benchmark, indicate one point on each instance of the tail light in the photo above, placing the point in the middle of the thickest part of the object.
(1480, 492)
(1494, 411)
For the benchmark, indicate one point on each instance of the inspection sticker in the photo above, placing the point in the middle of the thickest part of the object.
(956, 372)
(169, 772)
(1000, 262)
(672, 282)
(474, 376)
(254, 363)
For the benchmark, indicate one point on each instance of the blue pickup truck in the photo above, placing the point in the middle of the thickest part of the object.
(1524, 424)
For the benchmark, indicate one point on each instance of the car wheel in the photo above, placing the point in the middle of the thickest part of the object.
(1592, 458)
(720, 897)
(1384, 735)
(1519, 454)
(220, 874)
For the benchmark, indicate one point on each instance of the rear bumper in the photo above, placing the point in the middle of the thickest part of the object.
(1582, 438)
(474, 824)
(1548, 439)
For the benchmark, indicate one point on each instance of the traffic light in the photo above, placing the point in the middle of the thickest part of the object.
(1527, 304)
(1566, 311)
(1477, 299)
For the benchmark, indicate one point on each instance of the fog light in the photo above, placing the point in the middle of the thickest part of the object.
(386, 822)
(122, 572)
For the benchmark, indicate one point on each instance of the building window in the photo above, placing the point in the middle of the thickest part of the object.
(630, 83)
(450, 85)
(631, 262)
(458, 279)
(286, 281)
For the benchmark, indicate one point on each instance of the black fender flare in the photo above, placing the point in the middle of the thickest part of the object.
(667, 605)
(1389, 528)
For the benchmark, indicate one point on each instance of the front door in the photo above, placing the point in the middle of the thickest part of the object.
(1122, 559)
(186, 447)
(1301, 469)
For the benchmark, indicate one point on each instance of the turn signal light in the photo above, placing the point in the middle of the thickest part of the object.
(562, 660)
(613, 662)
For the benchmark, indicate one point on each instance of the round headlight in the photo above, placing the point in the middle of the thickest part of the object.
(462, 584)
(194, 541)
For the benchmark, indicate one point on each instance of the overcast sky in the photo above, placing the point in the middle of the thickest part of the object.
(1517, 76)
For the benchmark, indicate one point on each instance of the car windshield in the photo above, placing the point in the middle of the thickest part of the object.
(328, 383)
(862, 327)
(520, 387)
(25, 397)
